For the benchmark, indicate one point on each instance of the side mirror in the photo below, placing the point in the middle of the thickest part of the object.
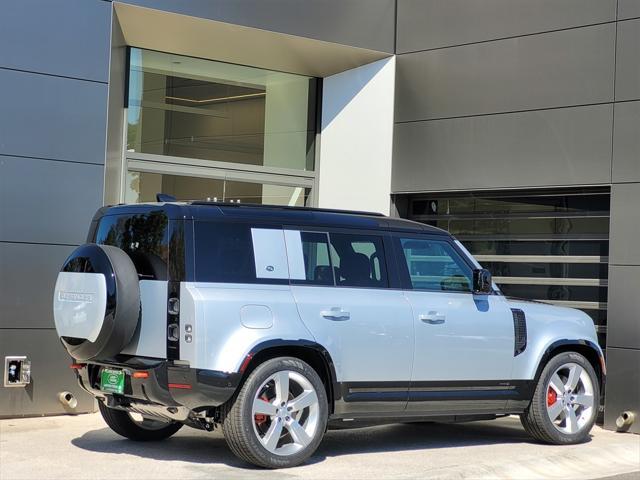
(482, 282)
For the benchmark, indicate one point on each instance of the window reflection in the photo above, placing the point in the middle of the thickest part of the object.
(201, 109)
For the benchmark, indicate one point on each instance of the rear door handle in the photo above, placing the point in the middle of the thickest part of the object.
(336, 313)
(432, 318)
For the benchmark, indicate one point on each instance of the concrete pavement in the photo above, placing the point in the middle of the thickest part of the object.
(82, 447)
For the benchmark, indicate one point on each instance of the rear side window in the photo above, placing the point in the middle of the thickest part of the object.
(435, 265)
(358, 260)
(224, 253)
(239, 253)
(144, 237)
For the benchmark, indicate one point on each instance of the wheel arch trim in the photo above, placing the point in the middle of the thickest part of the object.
(563, 345)
(259, 350)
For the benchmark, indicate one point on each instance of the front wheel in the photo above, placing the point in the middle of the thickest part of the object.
(565, 403)
(280, 414)
(142, 429)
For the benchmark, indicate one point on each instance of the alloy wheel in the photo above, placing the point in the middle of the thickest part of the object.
(285, 413)
(570, 398)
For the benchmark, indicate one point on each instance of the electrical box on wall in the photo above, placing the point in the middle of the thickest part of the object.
(17, 371)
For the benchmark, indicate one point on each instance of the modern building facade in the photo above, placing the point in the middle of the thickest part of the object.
(513, 124)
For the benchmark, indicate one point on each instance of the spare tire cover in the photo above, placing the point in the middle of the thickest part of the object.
(96, 304)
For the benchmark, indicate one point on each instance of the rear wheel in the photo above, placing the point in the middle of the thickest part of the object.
(136, 427)
(565, 403)
(279, 417)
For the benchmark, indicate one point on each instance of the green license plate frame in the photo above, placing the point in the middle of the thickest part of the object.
(112, 381)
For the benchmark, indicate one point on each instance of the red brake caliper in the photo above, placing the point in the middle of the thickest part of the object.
(261, 418)
(552, 397)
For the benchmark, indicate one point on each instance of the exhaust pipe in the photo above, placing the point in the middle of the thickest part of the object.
(68, 401)
(625, 420)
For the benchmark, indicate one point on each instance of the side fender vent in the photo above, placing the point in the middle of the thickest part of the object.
(520, 331)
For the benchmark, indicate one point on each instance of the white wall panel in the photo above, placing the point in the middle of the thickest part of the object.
(357, 138)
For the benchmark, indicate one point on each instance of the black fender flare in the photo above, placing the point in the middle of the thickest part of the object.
(561, 345)
(255, 351)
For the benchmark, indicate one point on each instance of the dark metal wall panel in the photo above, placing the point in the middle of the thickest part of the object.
(625, 225)
(565, 146)
(44, 201)
(428, 24)
(623, 325)
(50, 375)
(570, 67)
(361, 23)
(623, 386)
(58, 37)
(628, 9)
(626, 142)
(628, 61)
(52, 117)
(25, 301)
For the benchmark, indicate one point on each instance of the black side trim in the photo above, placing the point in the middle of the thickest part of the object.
(436, 391)
(520, 331)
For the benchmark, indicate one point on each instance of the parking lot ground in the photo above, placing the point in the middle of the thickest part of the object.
(82, 447)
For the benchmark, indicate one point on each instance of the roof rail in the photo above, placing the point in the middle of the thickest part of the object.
(286, 207)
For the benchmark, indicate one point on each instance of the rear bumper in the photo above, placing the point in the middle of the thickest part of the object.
(173, 389)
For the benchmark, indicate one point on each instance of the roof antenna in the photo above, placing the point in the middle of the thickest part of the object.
(163, 197)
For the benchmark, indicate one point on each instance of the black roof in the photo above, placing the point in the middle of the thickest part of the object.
(284, 215)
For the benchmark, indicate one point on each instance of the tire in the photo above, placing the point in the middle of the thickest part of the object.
(567, 383)
(98, 284)
(294, 433)
(146, 430)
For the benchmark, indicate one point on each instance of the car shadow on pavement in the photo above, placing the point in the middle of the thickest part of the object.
(421, 436)
(188, 445)
(210, 448)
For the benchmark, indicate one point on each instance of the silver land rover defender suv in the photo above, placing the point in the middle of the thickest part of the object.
(276, 323)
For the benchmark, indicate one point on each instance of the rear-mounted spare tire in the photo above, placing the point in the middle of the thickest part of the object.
(96, 303)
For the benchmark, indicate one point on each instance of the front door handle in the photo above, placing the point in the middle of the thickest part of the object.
(336, 313)
(432, 318)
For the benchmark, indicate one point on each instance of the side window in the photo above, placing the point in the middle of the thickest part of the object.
(317, 260)
(435, 265)
(224, 253)
(358, 260)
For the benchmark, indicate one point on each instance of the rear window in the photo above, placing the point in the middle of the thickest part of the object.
(144, 237)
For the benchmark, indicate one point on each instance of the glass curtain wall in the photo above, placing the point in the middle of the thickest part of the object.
(550, 246)
(241, 133)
